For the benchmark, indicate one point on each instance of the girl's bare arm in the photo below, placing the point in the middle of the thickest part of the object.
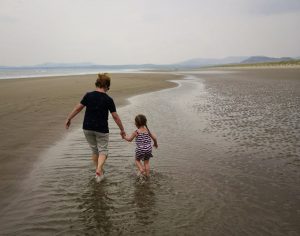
(154, 140)
(131, 137)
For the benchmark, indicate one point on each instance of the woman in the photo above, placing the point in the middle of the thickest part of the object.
(95, 124)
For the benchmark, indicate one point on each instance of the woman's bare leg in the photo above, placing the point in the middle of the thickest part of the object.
(95, 159)
(101, 160)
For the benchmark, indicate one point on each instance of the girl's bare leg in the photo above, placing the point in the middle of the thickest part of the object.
(147, 167)
(140, 166)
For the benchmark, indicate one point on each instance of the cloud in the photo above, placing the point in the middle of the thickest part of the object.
(143, 31)
(273, 7)
(7, 19)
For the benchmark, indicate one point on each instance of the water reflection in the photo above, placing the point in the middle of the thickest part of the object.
(144, 198)
(96, 207)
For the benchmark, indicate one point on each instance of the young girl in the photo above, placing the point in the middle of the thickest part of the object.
(143, 150)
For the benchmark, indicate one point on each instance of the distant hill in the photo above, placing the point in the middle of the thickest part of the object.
(261, 59)
(199, 62)
(89, 66)
(188, 64)
(289, 63)
(56, 65)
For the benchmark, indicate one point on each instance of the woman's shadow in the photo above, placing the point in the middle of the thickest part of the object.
(97, 208)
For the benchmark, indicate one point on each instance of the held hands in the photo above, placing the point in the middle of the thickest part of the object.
(123, 134)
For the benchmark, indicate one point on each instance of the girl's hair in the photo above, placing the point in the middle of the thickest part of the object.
(141, 120)
(103, 81)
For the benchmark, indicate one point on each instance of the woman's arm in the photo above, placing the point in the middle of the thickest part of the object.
(119, 123)
(130, 138)
(73, 113)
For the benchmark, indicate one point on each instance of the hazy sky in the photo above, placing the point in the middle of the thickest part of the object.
(145, 31)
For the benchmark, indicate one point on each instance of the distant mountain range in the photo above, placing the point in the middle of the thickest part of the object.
(259, 59)
(86, 65)
(199, 62)
(192, 63)
(202, 62)
(51, 65)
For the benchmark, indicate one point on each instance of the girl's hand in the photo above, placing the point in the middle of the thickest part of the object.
(155, 145)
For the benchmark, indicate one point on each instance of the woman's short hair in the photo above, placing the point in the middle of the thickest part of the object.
(103, 81)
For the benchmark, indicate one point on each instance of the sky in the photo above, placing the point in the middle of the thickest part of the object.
(111, 32)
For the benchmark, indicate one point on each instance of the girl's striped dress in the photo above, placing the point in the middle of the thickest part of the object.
(143, 149)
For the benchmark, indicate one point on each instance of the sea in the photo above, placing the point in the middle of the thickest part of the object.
(31, 72)
(227, 163)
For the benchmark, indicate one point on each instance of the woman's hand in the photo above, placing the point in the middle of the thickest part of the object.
(67, 123)
(123, 134)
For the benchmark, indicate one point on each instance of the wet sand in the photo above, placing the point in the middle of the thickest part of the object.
(33, 111)
(227, 164)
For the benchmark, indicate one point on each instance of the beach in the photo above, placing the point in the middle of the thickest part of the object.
(227, 161)
(33, 112)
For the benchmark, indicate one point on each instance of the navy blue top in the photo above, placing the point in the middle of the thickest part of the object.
(96, 114)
